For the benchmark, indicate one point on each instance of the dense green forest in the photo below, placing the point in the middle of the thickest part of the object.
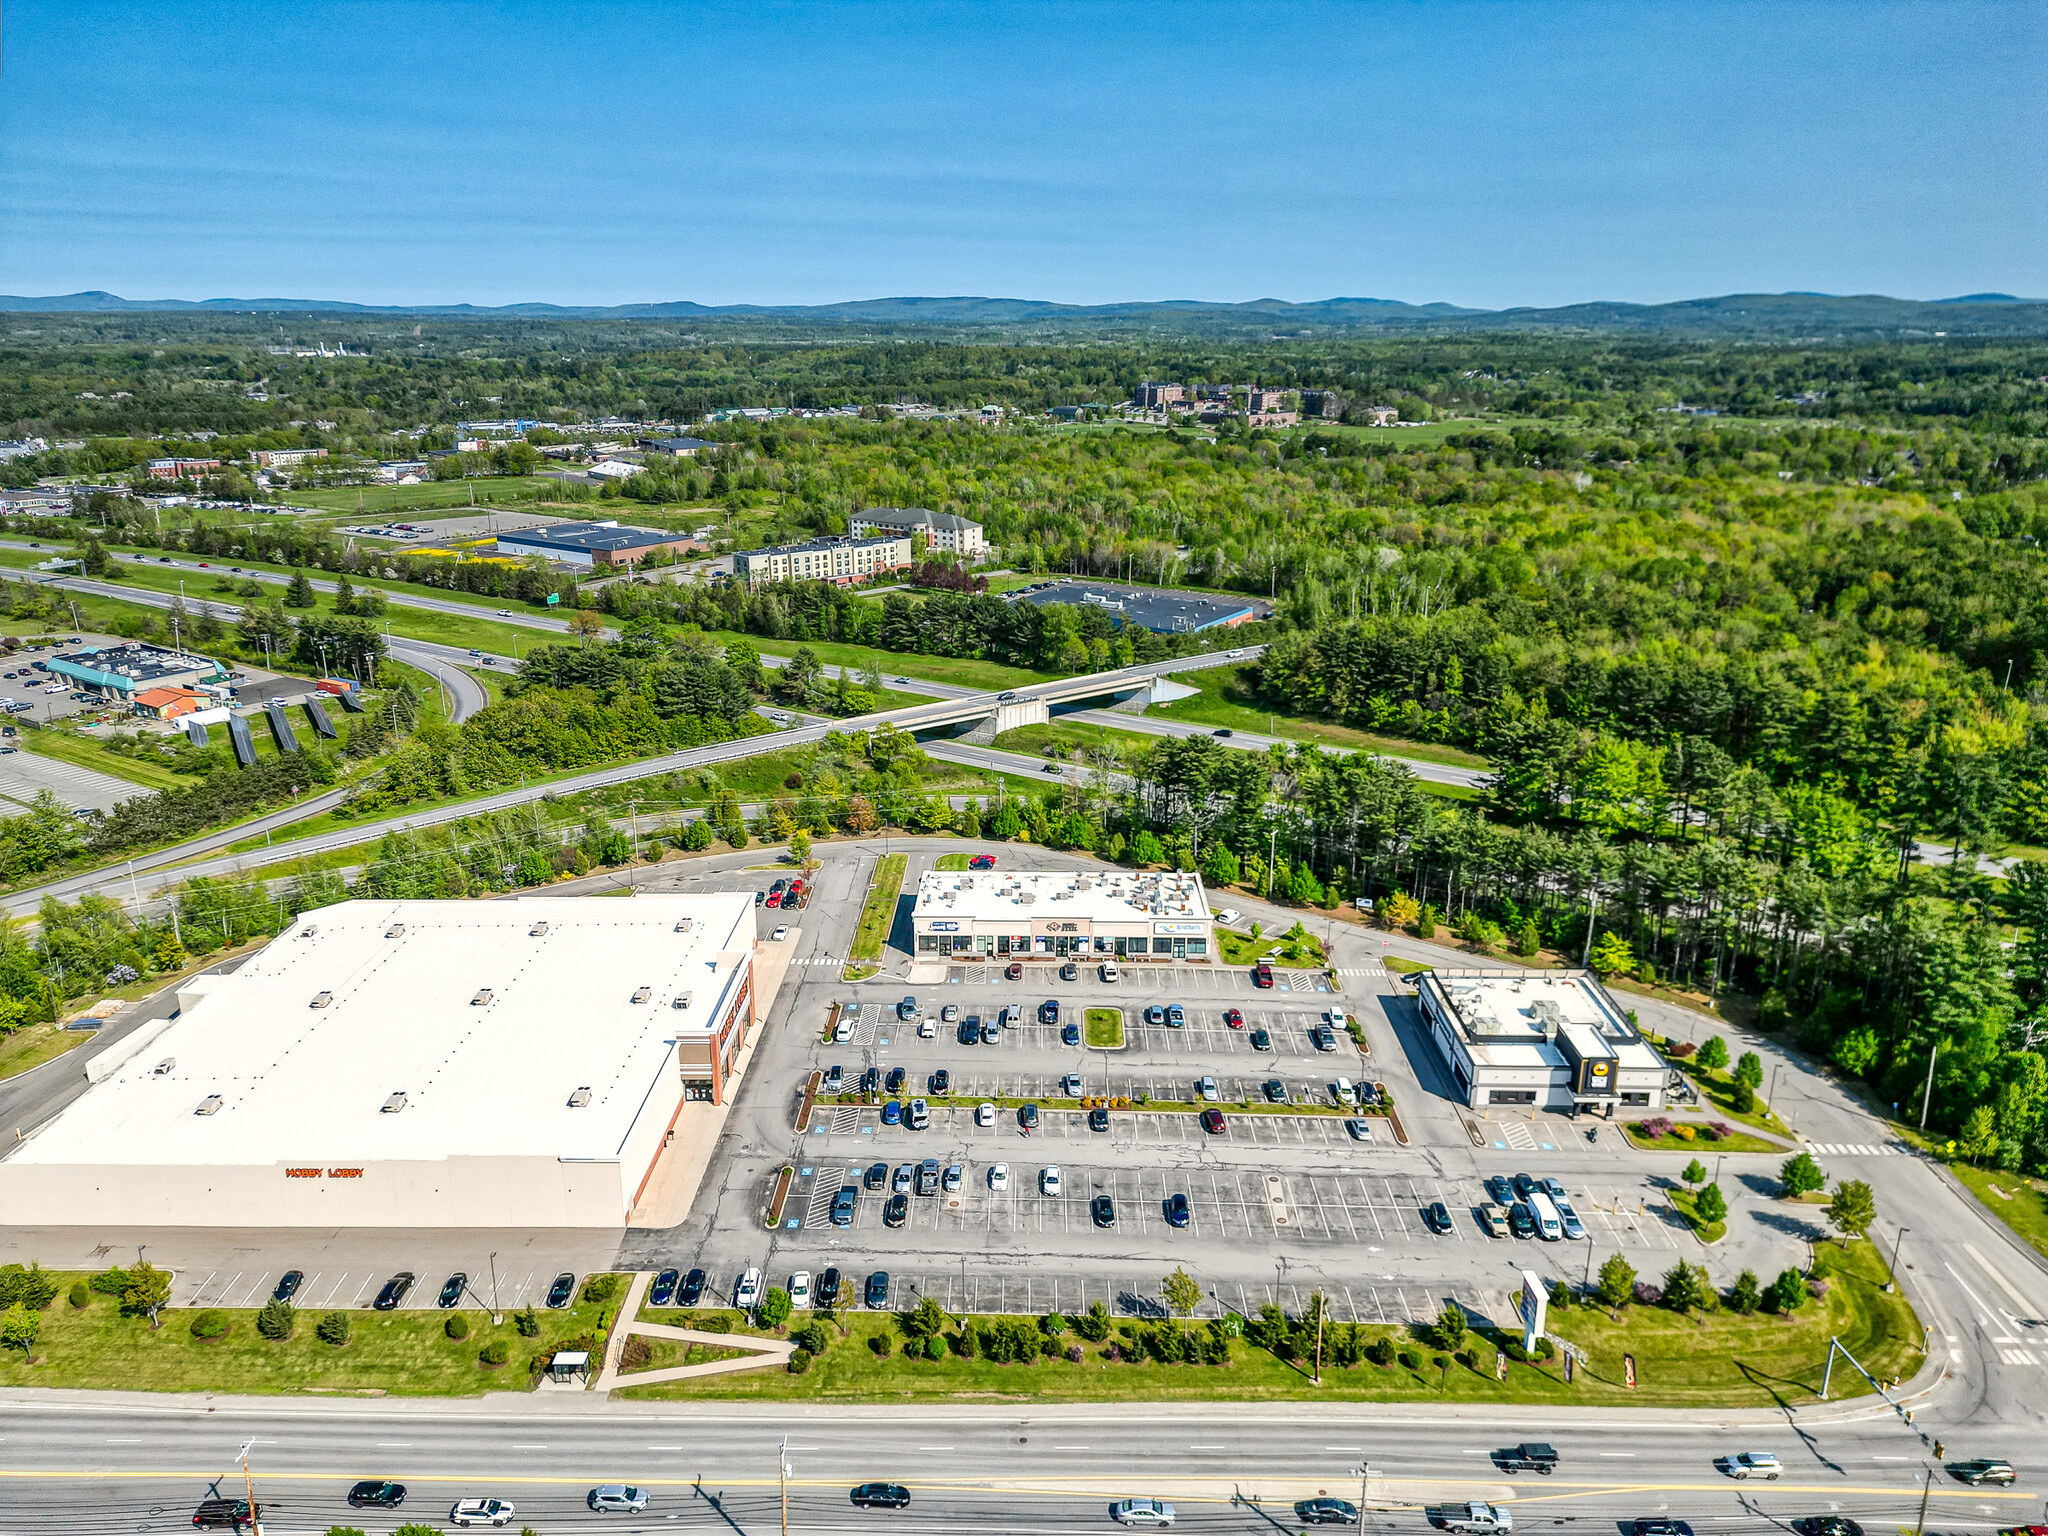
(1740, 625)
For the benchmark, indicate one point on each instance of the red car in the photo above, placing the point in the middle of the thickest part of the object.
(1233, 1018)
(1013, 972)
(1262, 975)
(1212, 1121)
(793, 897)
(774, 899)
(982, 861)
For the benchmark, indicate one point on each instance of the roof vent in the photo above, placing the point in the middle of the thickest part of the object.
(579, 1099)
(685, 924)
(682, 1000)
(395, 931)
(321, 1000)
(393, 1104)
(309, 930)
(641, 994)
(164, 1066)
(482, 999)
(537, 931)
(210, 1105)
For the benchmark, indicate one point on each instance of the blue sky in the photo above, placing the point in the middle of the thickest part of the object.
(1486, 154)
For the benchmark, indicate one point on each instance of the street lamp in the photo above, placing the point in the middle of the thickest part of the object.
(1897, 1243)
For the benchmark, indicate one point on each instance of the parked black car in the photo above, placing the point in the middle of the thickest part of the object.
(897, 1211)
(1827, 1525)
(828, 1288)
(1102, 1210)
(563, 1291)
(877, 1176)
(878, 1290)
(1437, 1215)
(881, 1496)
(663, 1291)
(451, 1289)
(375, 1493)
(394, 1291)
(693, 1288)
(1098, 1119)
(288, 1285)
(1521, 1220)
(941, 1081)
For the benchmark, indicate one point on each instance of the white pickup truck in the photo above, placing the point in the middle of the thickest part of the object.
(1475, 1517)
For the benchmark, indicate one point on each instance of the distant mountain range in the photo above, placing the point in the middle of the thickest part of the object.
(1777, 315)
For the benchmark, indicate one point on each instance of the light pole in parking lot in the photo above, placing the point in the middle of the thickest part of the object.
(1364, 1481)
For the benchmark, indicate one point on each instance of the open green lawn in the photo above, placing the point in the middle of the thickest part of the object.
(34, 1044)
(1224, 701)
(1718, 1090)
(1686, 1203)
(1722, 1360)
(450, 498)
(878, 911)
(2020, 1202)
(1103, 1028)
(404, 1353)
(85, 752)
(939, 669)
(952, 863)
(1065, 739)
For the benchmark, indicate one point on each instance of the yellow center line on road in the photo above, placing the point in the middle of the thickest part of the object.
(1563, 1492)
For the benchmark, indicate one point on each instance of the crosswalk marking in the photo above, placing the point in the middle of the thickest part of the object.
(1858, 1149)
(2017, 1357)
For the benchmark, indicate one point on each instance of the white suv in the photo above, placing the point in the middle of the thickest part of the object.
(1762, 1464)
(482, 1512)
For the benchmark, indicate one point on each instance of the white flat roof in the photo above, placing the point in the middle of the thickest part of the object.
(1512, 1018)
(487, 1078)
(1102, 896)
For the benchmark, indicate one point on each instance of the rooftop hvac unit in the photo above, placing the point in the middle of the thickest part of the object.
(685, 924)
(537, 931)
(482, 999)
(393, 1104)
(579, 1099)
(321, 999)
(210, 1105)
(309, 930)
(395, 931)
(164, 1066)
(641, 994)
(682, 1000)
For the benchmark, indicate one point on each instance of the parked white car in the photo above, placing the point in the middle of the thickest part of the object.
(747, 1294)
(1206, 1087)
(1230, 917)
(984, 1115)
(1048, 1181)
(999, 1177)
(800, 1289)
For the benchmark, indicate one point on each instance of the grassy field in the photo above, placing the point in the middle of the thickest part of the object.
(2020, 1202)
(449, 497)
(34, 1044)
(952, 863)
(86, 752)
(1720, 1360)
(1221, 703)
(403, 1353)
(878, 911)
(1103, 1028)
(1718, 1089)
(1065, 739)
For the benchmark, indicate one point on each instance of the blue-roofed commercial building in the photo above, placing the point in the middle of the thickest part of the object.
(611, 544)
(1162, 612)
(123, 671)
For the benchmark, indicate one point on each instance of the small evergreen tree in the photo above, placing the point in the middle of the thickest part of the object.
(1750, 1070)
(1617, 1282)
(1527, 940)
(1745, 1295)
(276, 1319)
(1450, 1328)
(333, 1328)
(299, 594)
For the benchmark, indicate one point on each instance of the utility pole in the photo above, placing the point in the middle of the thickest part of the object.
(1927, 1096)
(249, 1488)
(1364, 1482)
(782, 1465)
(1322, 1309)
(1926, 1492)
(1586, 958)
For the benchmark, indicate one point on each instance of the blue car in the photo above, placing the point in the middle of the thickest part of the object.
(1175, 1016)
(1049, 1011)
(892, 1112)
(1071, 1035)
(1177, 1210)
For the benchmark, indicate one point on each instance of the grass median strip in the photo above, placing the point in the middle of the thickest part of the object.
(877, 916)
(1103, 1028)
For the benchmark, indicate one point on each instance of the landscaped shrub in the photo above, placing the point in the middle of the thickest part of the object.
(497, 1352)
(32, 1285)
(110, 1282)
(1745, 1295)
(81, 1294)
(1655, 1127)
(634, 1353)
(210, 1324)
(935, 1348)
(1410, 1359)
(1093, 1325)
(527, 1321)
(815, 1336)
(276, 1319)
(333, 1328)
(799, 1362)
(1743, 1098)
(1648, 1295)
(457, 1326)
(880, 1345)
(1684, 1132)
(600, 1289)
(1380, 1352)
(1074, 1354)
(716, 1322)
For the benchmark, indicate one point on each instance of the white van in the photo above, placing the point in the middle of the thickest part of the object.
(1548, 1227)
